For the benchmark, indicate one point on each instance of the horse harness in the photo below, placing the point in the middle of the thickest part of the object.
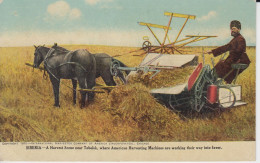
(50, 53)
(48, 67)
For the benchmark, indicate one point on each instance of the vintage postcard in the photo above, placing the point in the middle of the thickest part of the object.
(127, 80)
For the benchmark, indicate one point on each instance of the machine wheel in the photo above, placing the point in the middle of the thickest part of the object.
(229, 96)
(147, 46)
(114, 68)
(116, 73)
(172, 106)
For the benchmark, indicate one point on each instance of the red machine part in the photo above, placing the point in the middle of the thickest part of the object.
(194, 76)
(212, 94)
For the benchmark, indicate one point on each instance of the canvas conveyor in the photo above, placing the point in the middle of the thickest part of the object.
(155, 62)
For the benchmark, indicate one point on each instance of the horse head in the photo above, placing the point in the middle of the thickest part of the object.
(38, 56)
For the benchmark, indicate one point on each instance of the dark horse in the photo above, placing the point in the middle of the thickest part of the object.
(103, 66)
(63, 64)
(103, 69)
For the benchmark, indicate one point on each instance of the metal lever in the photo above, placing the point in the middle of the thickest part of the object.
(212, 61)
(203, 56)
(156, 72)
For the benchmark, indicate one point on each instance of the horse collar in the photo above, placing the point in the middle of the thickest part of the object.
(49, 54)
(47, 57)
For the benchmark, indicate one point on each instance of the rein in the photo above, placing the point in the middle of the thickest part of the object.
(47, 67)
(44, 76)
(49, 55)
(46, 64)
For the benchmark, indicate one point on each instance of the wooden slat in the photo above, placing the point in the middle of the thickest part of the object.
(179, 15)
(31, 65)
(154, 25)
(199, 36)
(92, 90)
(105, 87)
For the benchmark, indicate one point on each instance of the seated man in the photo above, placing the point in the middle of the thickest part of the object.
(237, 53)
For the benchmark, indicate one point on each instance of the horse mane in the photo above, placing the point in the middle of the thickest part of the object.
(42, 48)
(59, 49)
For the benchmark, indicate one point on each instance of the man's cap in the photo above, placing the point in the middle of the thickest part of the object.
(235, 23)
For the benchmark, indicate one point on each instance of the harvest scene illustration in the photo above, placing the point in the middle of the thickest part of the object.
(119, 71)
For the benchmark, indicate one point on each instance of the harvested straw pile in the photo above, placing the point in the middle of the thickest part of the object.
(133, 103)
(16, 128)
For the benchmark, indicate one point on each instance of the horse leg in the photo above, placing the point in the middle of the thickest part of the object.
(74, 83)
(83, 85)
(91, 82)
(56, 87)
(108, 79)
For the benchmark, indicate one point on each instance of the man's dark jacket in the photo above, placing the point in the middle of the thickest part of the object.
(237, 54)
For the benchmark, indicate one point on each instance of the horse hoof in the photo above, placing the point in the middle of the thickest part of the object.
(58, 106)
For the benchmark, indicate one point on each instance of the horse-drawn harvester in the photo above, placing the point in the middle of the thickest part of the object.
(204, 88)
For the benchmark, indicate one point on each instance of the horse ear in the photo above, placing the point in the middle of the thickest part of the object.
(35, 46)
(43, 45)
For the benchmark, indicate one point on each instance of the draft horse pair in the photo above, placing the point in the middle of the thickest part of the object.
(79, 66)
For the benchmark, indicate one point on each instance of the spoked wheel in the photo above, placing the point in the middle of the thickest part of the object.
(226, 97)
(122, 76)
(116, 73)
(114, 68)
(172, 104)
(147, 46)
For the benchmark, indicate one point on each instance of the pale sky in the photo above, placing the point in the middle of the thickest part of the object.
(114, 22)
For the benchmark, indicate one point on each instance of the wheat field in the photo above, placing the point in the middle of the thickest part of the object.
(127, 113)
